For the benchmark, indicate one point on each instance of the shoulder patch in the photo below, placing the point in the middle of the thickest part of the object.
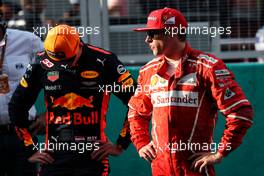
(121, 69)
(228, 94)
(222, 72)
(207, 58)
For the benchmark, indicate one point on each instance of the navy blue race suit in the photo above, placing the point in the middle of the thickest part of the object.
(76, 100)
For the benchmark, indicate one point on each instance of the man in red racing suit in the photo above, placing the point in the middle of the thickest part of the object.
(182, 104)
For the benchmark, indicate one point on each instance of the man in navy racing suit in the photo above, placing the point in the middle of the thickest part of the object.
(74, 77)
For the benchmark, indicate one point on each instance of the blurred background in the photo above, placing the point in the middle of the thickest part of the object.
(109, 23)
(115, 20)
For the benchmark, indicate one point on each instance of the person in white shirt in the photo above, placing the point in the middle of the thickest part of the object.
(259, 44)
(17, 50)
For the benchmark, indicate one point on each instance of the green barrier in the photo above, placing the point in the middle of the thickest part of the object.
(246, 160)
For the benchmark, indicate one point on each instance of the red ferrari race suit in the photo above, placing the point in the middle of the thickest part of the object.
(183, 109)
(77, 101)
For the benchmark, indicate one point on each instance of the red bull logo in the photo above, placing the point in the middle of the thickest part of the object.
(78, 119)
(72, 101)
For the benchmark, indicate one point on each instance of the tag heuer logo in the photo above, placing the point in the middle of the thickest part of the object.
(53, 76)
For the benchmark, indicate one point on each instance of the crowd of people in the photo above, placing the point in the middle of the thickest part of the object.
(238, 14)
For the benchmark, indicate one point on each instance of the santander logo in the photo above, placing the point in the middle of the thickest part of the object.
(175, 98)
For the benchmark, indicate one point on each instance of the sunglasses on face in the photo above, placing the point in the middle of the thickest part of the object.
(152, 33)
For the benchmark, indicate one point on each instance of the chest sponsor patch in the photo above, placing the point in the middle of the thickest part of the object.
(53, 76)
(72, 101)
(75, 118)
(157, 81)
(189, 79)
(89, 74)
(175, 98)
(53, 87)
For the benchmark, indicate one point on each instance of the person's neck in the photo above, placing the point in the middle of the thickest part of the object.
(176, 52)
